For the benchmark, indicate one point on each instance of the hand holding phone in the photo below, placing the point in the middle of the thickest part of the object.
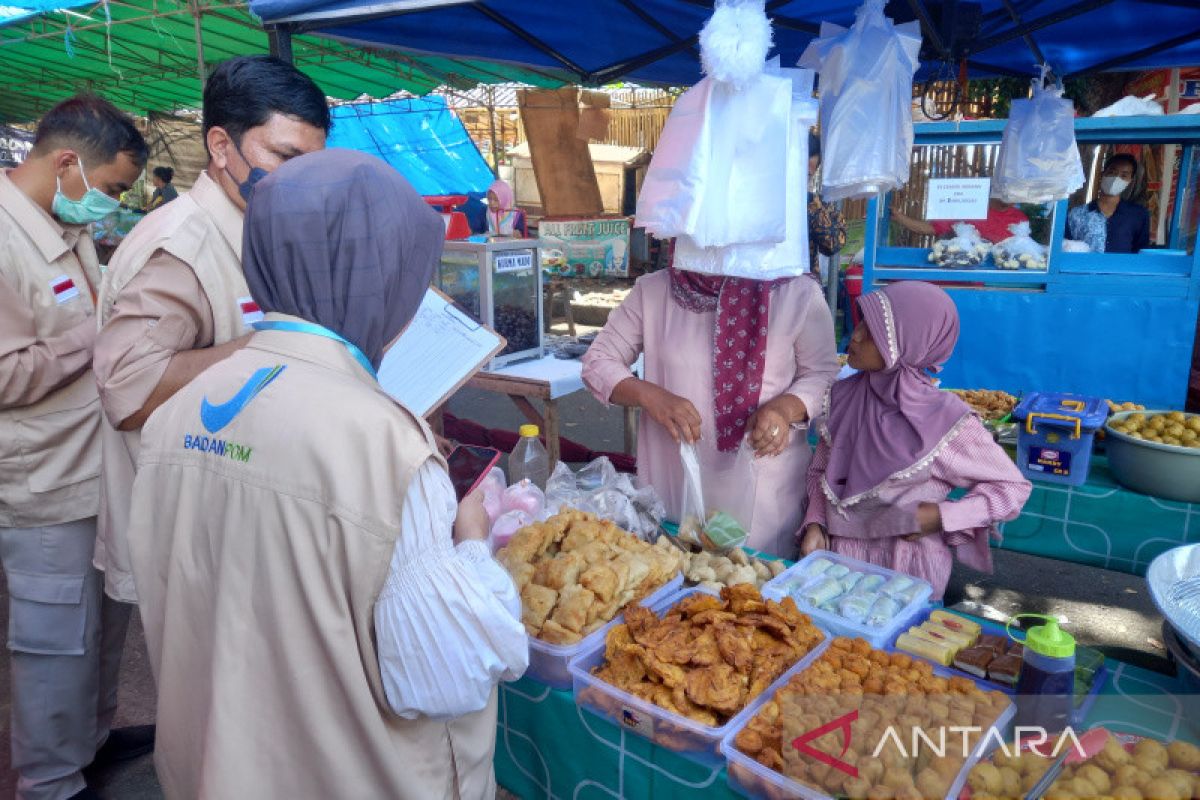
(468, 466)
(471, 523)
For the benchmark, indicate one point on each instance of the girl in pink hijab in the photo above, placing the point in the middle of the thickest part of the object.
(503, 216)
(893, 446)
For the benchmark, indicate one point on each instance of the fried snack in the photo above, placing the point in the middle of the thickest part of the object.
(988, 404)
(713, 659)
(888, 692)
(576, 572)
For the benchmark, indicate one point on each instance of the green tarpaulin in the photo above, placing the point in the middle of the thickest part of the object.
(143, 55)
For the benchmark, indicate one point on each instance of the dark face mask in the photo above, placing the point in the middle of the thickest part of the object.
(256, 174)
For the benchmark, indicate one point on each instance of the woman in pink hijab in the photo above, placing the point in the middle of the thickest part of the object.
(893, 446)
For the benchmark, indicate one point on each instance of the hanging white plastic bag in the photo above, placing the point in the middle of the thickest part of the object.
(966, 250)
(1039, 159)
(866, 102)
(1019, 251)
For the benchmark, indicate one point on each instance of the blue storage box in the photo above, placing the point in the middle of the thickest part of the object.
(1054, 440)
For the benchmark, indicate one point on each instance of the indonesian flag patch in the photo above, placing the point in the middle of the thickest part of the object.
(64, 289)
(251, 313)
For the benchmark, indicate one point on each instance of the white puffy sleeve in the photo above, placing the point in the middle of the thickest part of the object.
(448, 621)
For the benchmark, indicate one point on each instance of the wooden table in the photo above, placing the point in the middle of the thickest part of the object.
(545, 379)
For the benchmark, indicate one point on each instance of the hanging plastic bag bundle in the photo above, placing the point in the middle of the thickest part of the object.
(728, 176)
(1039, 159)
(1019, 251)
(866, 102)
(966, 250)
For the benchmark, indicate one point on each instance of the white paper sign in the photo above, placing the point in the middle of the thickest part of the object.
(958, 198)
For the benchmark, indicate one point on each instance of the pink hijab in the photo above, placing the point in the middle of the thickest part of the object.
(504, 194)
(881, 423)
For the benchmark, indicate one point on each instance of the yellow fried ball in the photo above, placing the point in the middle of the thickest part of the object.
(985, 778)
(1127, 793)
(1112, 757)
(1131, 775)
(1151, 756)
(1010, 782)
(1176, 416)
(1184, 755)
(1181, 779)
(1161, 789)
(1096, 777)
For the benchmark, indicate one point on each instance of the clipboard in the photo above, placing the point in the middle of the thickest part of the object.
(436, 355)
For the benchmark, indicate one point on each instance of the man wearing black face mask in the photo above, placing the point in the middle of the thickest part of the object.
(1110, 224)
(174, 300)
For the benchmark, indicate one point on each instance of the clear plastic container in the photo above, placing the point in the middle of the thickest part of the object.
(791, 582)
(529, 460)
(664, 728)
(749, 778)
(548, 662)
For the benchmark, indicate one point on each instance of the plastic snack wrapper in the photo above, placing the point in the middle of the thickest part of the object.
(965, 251)
(1019, 251)
(1039, 160)
(524, 496)
(601, 490)
(866, 102)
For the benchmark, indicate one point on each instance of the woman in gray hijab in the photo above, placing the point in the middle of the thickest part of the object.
(313, 531)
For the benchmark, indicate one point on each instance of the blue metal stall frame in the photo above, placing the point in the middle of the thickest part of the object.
(1114, 326)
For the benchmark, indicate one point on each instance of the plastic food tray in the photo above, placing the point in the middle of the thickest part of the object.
(839, 625)
(664, 728)
(548, 662)
(749, 778)
(1078, 712)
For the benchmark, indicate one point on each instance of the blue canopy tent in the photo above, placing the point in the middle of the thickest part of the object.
(654, 41)
(420, 137)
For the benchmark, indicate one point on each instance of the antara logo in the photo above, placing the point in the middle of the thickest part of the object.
(937, 742)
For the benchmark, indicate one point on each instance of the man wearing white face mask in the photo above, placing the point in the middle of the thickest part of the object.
(85, 154)
(1110, 224)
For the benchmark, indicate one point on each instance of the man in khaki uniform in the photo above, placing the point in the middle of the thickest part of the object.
(85, 154)
(323, 615)
(174, 301)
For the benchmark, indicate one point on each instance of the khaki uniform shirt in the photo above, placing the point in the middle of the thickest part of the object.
(175, 284)
(258, 579)
(49, 411)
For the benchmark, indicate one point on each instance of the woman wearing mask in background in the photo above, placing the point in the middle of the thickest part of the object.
(727, 360)
(323, 618)
(1110, 224)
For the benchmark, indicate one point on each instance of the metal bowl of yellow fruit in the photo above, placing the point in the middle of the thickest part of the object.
(1156, 453)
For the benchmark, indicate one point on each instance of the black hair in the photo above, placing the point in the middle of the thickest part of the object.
(164, 174)
(1119, 158)
(242, 93)
(93, 127)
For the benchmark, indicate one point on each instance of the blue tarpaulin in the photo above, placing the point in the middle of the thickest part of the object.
(655, 40)
(421, 138)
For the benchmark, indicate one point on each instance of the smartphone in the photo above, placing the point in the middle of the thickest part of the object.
(468, 466)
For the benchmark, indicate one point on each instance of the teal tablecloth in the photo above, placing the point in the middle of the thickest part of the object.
(548, 748)
(1101, 524)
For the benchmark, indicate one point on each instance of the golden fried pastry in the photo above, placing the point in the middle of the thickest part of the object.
(588, 570)
(1184, 755)
(536, 604)
(701, 650)
(601, 579)
(572, 609)
(553, 633)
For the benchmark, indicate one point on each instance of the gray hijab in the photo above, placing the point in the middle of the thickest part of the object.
(339, 238)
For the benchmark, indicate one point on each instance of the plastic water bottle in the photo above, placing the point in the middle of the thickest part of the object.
(528, 460)
(1046, 684)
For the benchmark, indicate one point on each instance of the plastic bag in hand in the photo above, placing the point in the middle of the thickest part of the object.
(967, 249)
(691, 510)
(508, 524)
(1039, 159)
(1019, 251)
(866, 102)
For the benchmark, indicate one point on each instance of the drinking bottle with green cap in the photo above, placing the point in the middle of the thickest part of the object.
(1046, 684)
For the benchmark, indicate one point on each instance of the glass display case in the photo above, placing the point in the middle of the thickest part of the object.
(498, 283)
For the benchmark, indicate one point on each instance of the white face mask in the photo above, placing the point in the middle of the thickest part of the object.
(1112, 185)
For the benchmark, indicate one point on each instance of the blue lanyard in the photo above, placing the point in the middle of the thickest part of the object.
(316, 330)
